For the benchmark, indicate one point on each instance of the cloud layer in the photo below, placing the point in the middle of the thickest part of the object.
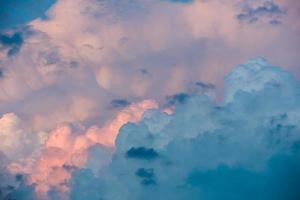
(246, 148)
(132, 50)
(73, 73)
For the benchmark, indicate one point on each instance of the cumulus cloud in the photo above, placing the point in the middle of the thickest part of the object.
(73, 64)
(67, 148)
(128, 50)
(243, 149)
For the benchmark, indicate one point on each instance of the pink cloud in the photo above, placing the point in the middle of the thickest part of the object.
(64, 150)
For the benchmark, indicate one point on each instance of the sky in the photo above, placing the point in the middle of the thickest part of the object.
(149, 99)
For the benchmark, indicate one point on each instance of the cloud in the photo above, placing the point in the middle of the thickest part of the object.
(84, 180)
(259, 185)
(16, 143)
(86, 60)
(67, 148)
(142, 153)
(14, 186)
(205, 85)
(105, 52)
(119, 103)
(256, 69)
(177, 98)
(236, 149)
(267, 9)
(244, 149)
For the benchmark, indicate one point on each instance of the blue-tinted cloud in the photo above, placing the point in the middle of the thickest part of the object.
(86, 186)
(14, 187)
(247, 148)
(278, 181)
(142, 153)
(147, 176)
(268, 9)
(177, 98)
(205, 85)
(119, 103)
(149, 49)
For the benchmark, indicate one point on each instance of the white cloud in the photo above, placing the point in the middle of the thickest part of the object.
(15, 142)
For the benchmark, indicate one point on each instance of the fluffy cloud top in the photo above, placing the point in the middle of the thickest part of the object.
(70, 64)
(247, 148)
(67, 148)
(130, 50)
(244, 149)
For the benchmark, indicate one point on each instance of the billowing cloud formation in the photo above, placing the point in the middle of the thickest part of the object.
(129, 50)
(247, 148)
(67, 149)
(92, 63)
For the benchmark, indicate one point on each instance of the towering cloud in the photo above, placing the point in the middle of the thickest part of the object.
(247, 148)
(75, 76)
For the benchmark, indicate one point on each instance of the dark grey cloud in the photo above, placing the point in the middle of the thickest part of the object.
(197, 87)
(145, 173)
(177, 98)
(147, 176)
(267, 9)
(119, 103)
(205, 85)
(1, 73)
(142, 153)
